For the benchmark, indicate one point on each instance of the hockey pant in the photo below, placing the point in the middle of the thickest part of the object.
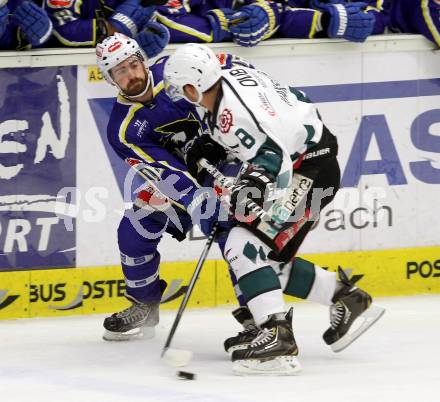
(262, 280)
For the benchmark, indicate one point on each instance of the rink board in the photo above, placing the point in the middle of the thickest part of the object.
(62, 187)
(60, 292)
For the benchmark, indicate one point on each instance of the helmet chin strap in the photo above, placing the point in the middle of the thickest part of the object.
(196, 102)
(143, 92)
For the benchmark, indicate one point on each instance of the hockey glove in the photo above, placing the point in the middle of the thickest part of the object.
(205, 210)
(253, 23)
(130, 18)
(202, 147)
(218, 18)
(154, 38)
(348, 21)
(4, 17)
(33, 22)
(255, 184)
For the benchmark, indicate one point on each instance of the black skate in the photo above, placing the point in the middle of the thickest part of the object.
(273, 351)
(136, 321)
(245, 337)
(350, 304)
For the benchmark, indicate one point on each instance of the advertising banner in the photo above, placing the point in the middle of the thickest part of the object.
(60, 292)
(382, 225)
(387, 124)
(37, 160)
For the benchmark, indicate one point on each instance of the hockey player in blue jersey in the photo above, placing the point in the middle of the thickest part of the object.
(23, 25)
(247, 23)
(79, 23)
(145, 125)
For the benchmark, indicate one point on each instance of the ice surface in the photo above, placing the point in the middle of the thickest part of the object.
(64, 359)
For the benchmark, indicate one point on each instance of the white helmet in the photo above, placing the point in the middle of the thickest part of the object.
(193, 64)
(114, 50)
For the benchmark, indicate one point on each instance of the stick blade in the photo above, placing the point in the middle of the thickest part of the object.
(177, 357)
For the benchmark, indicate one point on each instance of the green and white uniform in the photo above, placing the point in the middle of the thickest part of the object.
(264, 122)
(272, 126)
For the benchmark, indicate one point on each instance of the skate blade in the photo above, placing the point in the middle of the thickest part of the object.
(282, 365)
(134, 334)
(369, 317)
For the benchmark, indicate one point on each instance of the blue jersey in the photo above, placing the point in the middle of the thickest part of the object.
(156, 133)
(189, 20)
(75, 21)
(416, 16)
(300, 20)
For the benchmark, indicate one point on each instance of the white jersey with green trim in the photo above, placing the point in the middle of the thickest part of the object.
(264, 122)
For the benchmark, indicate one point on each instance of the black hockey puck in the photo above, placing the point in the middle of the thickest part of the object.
(186, 375)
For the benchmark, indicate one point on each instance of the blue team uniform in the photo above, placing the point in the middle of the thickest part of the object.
(300, 20)
(198, 20)
(407, 16)
(206, 20)
(416, 16)
(187, 20)
(154, 133)
(75, 21)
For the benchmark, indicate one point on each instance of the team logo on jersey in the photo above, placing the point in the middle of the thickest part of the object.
(141, 127)
(60, 3)
(226, 121)
(115, 46)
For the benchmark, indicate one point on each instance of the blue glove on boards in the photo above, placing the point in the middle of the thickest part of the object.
(34, 23)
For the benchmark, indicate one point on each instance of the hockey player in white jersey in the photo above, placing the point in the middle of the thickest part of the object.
(293, 174)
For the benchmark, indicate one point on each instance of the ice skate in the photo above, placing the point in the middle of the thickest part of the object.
(351, 314)
(136, 321)
(272, 352)
(243, 339)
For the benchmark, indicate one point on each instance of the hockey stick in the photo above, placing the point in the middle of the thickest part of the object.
(174, 356)
(182, 357)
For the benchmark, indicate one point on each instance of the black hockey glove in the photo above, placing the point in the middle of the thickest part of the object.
(202, 147)
(256, 184)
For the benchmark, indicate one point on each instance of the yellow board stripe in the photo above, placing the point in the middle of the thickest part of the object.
(87, 290)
